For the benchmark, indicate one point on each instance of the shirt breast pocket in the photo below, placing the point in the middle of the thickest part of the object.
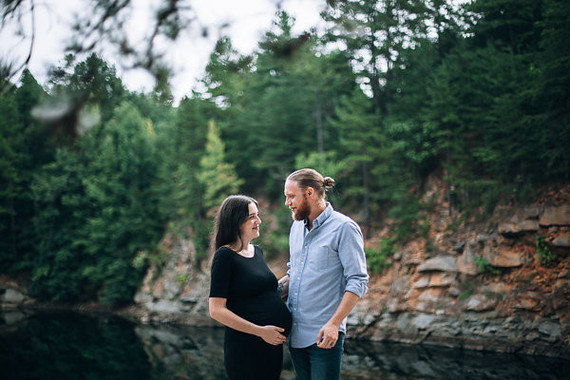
(320, 258)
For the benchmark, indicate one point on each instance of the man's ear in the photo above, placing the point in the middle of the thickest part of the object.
(310, 192)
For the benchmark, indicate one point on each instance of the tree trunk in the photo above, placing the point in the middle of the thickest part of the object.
(319, 125)
(366, 199)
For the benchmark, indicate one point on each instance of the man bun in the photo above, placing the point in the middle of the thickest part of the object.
(311, 178)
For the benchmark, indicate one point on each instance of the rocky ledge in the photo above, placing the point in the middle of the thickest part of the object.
(483, 286)
(478, 285)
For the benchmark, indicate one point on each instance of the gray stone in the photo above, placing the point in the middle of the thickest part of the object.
(441, 279)
(164, 306)
(142, 297)
(429, 295)
(13, 316)
(454, 291)
(170, 289)
(399, 285)
(466, 262)
(424, 369)
(423, 321)
(515, 227)
(439, 263)
(527, 301)
(426, 307)
(503, 256)
(404, 324)
(480, 302)
(532, 336)
(166, 337)
(531, 212)
(551, 329)
(482, 238)
(498, 288)
(423, 282)
(555, 216)
(13, 296)
(561, 284)
(459, 247)
(362, 314)
(562, 241)
(393, 306)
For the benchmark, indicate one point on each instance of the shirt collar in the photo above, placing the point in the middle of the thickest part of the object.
(322, 217)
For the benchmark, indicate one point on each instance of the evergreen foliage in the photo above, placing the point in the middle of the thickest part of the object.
(217, 177)
(93, 176)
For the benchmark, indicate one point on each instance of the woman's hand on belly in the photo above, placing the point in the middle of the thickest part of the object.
(272, 335)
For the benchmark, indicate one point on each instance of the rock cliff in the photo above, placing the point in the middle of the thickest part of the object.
(471, 284)
(501, 284)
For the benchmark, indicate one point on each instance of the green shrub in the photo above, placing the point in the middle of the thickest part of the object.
(377, 259)
(545, 256)
(425, 228)
(455, 223)
(485, 266)
(181, 278)
(406, 212)
(467, 289)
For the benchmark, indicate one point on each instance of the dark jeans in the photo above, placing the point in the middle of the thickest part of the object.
(314, 363)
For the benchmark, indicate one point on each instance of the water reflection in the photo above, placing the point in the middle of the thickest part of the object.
(72, 346)
(183, 352)
(374, 360)
(69, 346)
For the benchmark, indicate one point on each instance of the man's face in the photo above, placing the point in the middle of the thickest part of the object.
(296, 200)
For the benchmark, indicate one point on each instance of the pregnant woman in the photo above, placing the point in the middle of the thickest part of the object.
(244, 297)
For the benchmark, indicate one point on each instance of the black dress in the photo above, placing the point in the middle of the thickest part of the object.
(250, 289)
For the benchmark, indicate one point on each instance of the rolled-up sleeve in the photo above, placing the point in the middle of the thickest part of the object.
(353, 258)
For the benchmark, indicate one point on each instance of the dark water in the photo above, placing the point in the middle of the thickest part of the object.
(73, 346)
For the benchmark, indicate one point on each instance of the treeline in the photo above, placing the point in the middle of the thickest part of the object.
(93, 175)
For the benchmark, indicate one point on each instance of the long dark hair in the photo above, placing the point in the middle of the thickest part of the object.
(233, 212)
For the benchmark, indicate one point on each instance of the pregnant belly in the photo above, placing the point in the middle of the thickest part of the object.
(267, 309)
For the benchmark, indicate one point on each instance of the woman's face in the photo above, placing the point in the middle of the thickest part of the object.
(250, 228)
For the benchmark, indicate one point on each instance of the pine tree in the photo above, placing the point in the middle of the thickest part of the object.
(552, 96)
(375, 33)
(361, 148)
(24, 148)
(217, 177)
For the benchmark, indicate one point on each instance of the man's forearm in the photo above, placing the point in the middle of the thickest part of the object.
(348, 302)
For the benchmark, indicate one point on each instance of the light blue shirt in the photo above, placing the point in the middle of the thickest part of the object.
(325, 262)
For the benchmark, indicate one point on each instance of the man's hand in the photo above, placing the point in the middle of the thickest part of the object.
(283, 288)
(328, 336)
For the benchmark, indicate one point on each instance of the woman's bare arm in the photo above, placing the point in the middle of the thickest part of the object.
(219, 312)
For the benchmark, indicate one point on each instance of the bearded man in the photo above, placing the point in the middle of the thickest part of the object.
(326, 276)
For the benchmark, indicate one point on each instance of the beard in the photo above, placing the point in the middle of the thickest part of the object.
(303, 211)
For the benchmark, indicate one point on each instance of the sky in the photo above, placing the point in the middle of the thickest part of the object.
(248, 20)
